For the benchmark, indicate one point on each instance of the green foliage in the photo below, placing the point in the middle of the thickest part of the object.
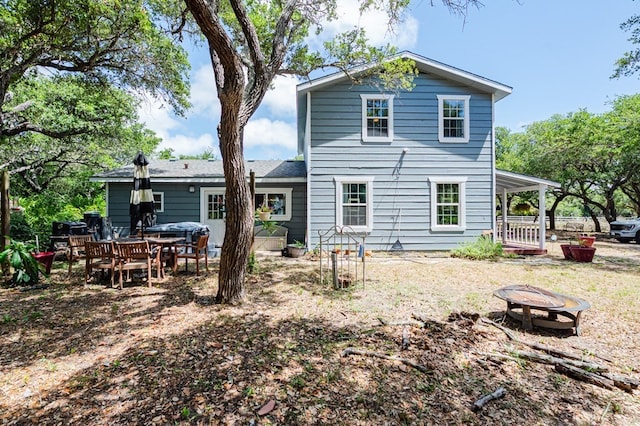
(25, 266)
(482, 249)
(629, 64)
(253, 267)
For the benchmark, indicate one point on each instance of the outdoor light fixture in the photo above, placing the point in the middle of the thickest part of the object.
(192, 188)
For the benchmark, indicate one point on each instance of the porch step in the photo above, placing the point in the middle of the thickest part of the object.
(523, 250)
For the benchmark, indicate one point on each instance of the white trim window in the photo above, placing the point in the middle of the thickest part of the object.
(448, 203)
(278, 200)
(158, 201)
(354, 202)
(377, 117)
(453, 118)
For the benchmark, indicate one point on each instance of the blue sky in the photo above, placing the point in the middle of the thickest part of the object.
(557, 55)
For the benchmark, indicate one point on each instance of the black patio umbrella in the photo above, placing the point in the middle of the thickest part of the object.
(141, 203)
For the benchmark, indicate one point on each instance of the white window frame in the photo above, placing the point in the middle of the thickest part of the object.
(161, 194)
(287, 204)
(368, 180)
(462, 219)
(441, 137)
(374, 96)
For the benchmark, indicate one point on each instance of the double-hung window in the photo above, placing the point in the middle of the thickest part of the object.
(354, 202)
(377, 118)
(158, 201)
(448, 203)
(453, 118)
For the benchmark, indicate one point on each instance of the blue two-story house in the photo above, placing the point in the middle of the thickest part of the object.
(416, 166)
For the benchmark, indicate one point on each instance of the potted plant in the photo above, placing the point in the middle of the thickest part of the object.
(264, 212)
(25, 266)
(582, 252)
(297, 249)
(586, 240)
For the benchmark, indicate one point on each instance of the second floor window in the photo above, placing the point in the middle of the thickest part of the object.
(377, 118)
(453, 118)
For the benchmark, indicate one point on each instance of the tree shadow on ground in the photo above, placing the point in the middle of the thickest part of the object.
(225, 370)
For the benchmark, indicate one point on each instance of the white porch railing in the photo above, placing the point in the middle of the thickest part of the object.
(519, 233)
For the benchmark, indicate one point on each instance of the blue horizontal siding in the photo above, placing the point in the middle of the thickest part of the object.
(401, 180)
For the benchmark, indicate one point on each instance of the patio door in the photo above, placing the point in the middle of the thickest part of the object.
(213, 213)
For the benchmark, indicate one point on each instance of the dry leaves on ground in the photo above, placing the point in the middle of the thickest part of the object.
(169, 355)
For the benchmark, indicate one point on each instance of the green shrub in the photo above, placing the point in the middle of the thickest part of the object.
(25, 267)
(482, 249)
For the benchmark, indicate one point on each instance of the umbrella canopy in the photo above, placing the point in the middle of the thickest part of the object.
(141, 203)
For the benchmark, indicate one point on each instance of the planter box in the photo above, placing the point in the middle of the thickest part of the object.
(566, 250)
(264, 241)
(294, 251)
(582, 254)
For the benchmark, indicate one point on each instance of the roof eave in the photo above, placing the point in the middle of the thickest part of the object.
(423, 64)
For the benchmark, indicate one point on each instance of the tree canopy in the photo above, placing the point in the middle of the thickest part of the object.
(70, 75)
(593, 156)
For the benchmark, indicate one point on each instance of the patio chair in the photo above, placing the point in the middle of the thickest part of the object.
(99, 255)
(197, 251)
(76, 249)
(134, 256)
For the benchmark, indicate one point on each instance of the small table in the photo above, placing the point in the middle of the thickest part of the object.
(526, 298)
(162, 243)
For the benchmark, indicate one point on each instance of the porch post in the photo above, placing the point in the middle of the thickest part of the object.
(505, 213)
(542, 212)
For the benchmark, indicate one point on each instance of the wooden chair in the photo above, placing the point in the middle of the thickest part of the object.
(195, 251)
(99, 255)
(76, 248)
(133, 256)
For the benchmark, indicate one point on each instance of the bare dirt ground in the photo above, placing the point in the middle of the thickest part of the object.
(169, 355)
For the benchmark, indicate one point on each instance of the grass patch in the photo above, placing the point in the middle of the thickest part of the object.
(482, 249)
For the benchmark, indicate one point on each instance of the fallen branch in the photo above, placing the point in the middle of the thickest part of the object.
(403, 323)
(622, 382)
(578, 373)
(426, 321)
(499, 393)
(405, 361)
(543, 348)
(549, 359)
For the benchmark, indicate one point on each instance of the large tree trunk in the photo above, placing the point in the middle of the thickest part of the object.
(239, 218)
(5, 216)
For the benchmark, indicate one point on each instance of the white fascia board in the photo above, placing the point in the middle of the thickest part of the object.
(523, 180)
(424, 64)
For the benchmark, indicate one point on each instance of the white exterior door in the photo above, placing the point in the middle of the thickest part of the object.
(213, 212)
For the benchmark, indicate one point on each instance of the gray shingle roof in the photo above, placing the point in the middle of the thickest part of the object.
(206, 169)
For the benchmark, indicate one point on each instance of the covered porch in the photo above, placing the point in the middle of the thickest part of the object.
(520, 237)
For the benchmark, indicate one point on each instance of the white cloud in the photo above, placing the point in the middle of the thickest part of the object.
(281, 100)
(189, 145)
(164, 124)
(204, 97)
(375, 23)
(157, 117)
(270, 133)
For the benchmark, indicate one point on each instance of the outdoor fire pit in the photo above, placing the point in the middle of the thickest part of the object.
(521, 299)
